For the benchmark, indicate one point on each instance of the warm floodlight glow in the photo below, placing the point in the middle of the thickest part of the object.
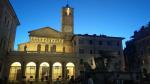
(68, 11)
(15, 71)
(31, 64)
(70, 70)
(70, 64)
(44, 64)
(44, 71)
(57, 70)
(30, 71)
(57, 64)
(16, 64)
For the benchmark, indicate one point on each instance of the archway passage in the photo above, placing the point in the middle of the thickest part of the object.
(57, 71)
(70, 70)
(15, 71)
(30, 71)
(44, 71)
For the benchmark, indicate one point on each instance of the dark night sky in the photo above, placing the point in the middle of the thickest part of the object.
(110, 17)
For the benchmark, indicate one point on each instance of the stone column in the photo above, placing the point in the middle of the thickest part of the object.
(6, 73)
(64, 69)
(50, 72)
(37, 72)
(76, 71)
(23, 67)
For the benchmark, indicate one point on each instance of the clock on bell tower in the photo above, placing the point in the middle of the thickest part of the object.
(67, 19)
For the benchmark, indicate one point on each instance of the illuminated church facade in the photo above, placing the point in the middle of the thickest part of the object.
(52, 54)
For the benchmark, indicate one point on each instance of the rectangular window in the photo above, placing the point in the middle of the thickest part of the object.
(100, 43)
(118, 43)
(90, 42)
(74, 42)
(109, 43)
(100, 51)
(81, 51)
(91, 51)
(8, 23)
(81, 41)
(5, 20)
(119, 53)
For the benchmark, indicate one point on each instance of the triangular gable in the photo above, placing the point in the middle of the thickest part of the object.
(45, 32)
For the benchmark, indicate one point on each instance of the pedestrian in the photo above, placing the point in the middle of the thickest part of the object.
(72, 81)
(90, 80)
(57, 81)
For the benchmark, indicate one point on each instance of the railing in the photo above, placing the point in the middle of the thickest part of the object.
(35, 53)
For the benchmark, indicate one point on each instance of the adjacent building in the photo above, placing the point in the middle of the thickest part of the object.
(8, 25)
(137, 51)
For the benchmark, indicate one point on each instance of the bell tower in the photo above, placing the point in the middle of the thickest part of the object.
(67, 20)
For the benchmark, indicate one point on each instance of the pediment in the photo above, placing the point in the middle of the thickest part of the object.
(45, 32)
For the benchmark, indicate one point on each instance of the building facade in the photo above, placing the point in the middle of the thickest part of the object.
(140, 45)
(8, 24)
(52, 54)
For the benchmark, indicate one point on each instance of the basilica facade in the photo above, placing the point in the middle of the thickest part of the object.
(50, 54)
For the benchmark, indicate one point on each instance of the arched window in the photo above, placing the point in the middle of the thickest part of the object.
(46, 48)
(64, 49)
(57, 70)
(25, 48)
(30, 71)
(38, 47)
(53, 48)
(70, 69)
(15, 71)
(44, 71)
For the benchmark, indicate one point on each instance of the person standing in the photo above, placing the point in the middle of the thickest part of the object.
(72, 81)
(57, 81)
(90, 80)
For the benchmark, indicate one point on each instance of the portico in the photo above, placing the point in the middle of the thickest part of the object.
(41, 68)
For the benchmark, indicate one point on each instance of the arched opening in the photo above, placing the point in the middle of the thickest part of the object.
(38, 47)
(46, 48)
(70, 70)
(44, 71)
(15, 71)
(53, 48)
(57, 70)
(30, 71)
